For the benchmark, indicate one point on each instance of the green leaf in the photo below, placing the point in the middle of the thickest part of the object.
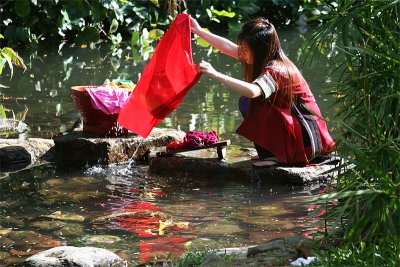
(15, 58)
(156, 34)
(201, 42)
(1, 36)
(224, 13)
(113, 26)
(134, 39)
(3, 55)
(2, 63)
(156, 3)
(22, 8)
(2, 112)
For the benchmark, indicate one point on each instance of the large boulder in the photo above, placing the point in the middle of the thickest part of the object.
(75, 256)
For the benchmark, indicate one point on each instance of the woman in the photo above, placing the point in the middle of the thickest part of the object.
(280, 113)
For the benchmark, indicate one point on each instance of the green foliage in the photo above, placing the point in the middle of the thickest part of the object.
(32, 22)
(190, 258)
(362, 255)
(80, 21)
(366, 36)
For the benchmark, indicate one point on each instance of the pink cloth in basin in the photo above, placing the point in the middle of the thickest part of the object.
(107, 99)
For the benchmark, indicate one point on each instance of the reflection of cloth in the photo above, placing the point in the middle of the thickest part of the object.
(165, 80)
(271, 124)
(107, 99)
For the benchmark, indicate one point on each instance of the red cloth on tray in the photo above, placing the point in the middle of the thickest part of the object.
(165, 80)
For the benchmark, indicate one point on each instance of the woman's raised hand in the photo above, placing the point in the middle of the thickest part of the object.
(194, 25)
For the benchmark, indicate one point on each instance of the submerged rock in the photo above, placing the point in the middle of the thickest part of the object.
(75, 256)
(105, 239)
(65, 216)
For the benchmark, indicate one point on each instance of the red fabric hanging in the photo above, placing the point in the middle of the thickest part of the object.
(165, 80)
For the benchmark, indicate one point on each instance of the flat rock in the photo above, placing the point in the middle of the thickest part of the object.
(237, 165)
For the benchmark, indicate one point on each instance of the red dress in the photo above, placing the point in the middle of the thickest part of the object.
(279, 129)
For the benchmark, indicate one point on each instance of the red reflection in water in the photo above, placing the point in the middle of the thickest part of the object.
(146, 220)
(160, 247)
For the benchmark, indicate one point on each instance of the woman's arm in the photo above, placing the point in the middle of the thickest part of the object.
(243, 88)
(224, 45)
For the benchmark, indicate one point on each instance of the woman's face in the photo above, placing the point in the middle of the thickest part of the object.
(246, 54)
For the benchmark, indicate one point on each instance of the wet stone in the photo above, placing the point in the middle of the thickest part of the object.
(92, 150)
(104, 239)
(238, 166)
(70, 229)
(48, 225)
(65, 216)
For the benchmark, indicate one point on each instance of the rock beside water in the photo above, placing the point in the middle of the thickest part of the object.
(75, 256)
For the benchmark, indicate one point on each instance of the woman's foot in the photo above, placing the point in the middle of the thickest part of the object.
(266, 162)
(256, 157)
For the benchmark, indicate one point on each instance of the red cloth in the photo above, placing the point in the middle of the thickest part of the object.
(271, 125)
(165, 80)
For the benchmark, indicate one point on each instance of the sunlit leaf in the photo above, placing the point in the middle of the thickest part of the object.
(113, 26)
(8, 60)
(2, 63)
(15, 58)
(134, 39)
(155, 2)
(224, 13)
(2, 112)
(201, 42)
(156, 34)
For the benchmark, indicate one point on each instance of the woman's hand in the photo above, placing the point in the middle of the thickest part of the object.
(194, 25)
(206, 68)
(250, 90)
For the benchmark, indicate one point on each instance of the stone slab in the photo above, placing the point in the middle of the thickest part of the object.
(78, 149)
(238, 165)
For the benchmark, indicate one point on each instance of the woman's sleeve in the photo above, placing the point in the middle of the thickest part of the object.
(267, 84)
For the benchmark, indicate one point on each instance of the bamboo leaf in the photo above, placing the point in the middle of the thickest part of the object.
(3, 55)
(14, 57)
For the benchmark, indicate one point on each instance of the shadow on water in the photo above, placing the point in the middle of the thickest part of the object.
(122, 208)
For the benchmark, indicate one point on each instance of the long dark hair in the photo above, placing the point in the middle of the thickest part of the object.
(263, 41)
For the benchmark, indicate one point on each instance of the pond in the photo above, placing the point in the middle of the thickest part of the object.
(123, 208)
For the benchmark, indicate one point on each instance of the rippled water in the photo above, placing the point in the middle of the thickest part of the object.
(139, 216)
(122, 208)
